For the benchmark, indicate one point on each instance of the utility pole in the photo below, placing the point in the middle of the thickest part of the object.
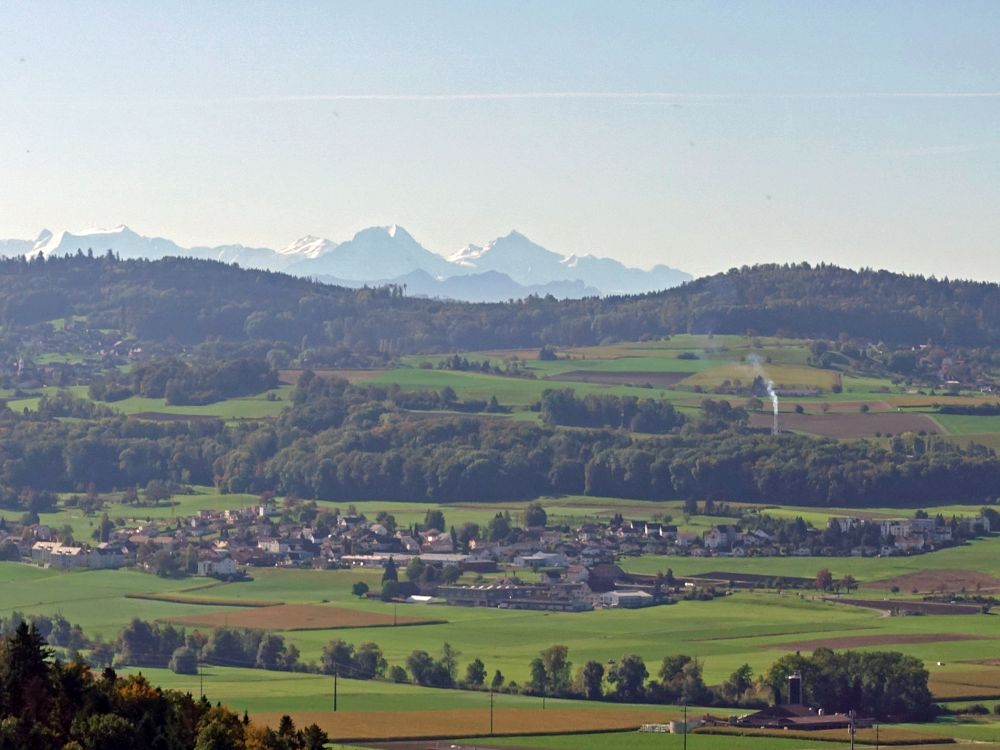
(852, 728)
(876, 735)
(201, 677)
(685, 725)
(491, 712)
(334, 691)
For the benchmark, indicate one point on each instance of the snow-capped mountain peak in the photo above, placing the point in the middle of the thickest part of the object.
(467, 256)
(119, 229)
(46, 242)
(308, 247)
(386, 253)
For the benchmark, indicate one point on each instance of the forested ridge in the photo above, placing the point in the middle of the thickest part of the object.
(193, 301)
(342, 442)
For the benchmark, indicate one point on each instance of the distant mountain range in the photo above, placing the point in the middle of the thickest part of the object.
(508, 267)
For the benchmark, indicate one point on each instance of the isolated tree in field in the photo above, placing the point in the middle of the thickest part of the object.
(497, 682)
(849, 583)
(184, 661)
(475, 673)
(824, 580)
(156, 492)
(360, 588)
(535, 515)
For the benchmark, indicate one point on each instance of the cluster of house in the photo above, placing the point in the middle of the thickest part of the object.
(897, 537)
(58, 555)
(900, 536)
(574, 571)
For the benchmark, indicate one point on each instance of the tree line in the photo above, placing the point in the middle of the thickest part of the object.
(343, 442)
(563, 407)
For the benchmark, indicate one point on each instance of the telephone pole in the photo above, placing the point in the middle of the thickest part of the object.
(334, 691)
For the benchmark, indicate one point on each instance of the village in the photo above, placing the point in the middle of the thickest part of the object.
(539, 566)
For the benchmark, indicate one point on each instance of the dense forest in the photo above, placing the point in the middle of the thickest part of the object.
(193, 301)
(352, 442)
(46, 704)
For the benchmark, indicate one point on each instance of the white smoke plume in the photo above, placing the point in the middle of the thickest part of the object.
(758, 367)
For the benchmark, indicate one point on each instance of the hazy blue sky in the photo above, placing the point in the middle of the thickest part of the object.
(703, 135)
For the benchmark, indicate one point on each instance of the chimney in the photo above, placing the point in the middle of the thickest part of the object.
(795, 689)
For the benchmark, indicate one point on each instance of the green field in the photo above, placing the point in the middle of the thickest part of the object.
(964, 424)
(716, 360)
(744, 627)
(249, 407)
(981, 555)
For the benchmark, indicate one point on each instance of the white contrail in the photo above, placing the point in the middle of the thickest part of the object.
(596, 95)
(944, 150)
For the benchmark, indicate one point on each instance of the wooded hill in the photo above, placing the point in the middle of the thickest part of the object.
(192, 301)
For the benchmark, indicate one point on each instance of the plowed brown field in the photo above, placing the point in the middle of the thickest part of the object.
(849, 425)
(467, 722)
